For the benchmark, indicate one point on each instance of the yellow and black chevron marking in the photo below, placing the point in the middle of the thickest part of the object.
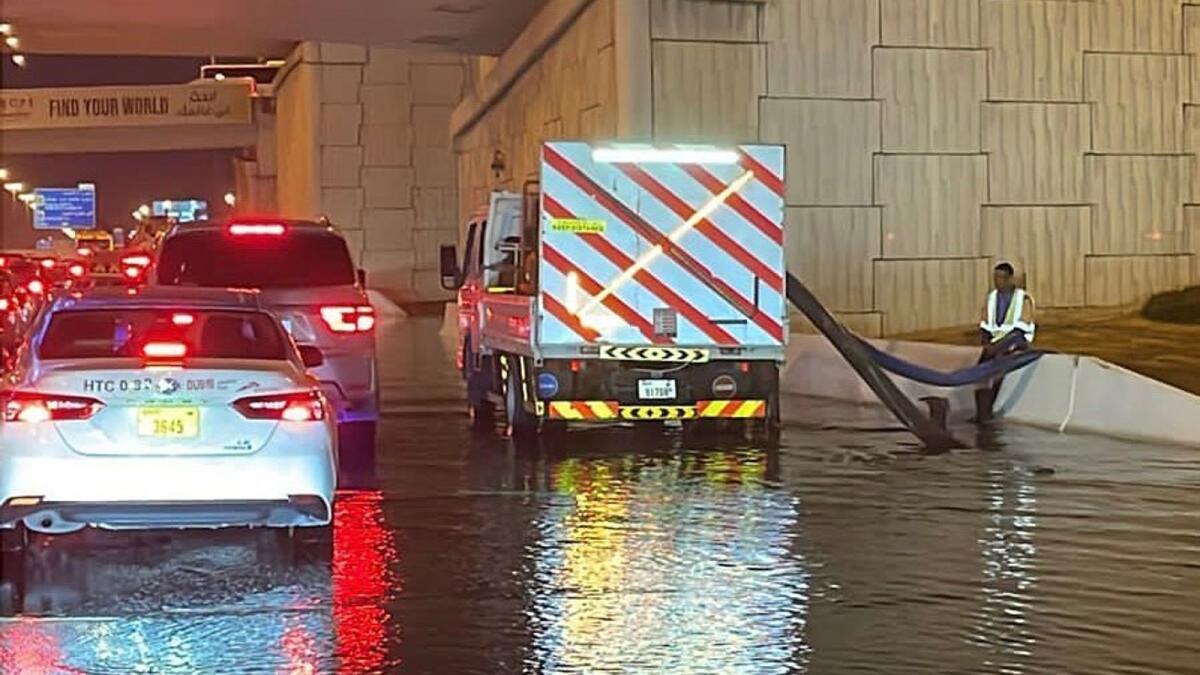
(731, 409)
(662, 354)
(658, 412)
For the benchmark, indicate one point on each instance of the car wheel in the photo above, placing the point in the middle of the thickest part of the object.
(356, 444)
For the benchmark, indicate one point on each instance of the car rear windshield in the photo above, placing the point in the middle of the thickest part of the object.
(289, 260)
(95, 334)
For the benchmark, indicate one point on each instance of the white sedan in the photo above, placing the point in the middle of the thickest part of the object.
(164, 408)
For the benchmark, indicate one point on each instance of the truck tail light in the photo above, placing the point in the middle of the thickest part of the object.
(75, 270)
(36, 286)
(345, 319)
(21, 406)
(136, 260)
(304, 406)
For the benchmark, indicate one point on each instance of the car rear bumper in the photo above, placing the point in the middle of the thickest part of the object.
(185, 491)
(298, 510)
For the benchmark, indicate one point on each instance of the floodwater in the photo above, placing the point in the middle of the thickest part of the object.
(611, 551)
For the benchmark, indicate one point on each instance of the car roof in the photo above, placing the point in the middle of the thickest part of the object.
(293, 224)
(183, 297)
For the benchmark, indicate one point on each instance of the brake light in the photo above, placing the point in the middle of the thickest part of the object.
(270, 229)
(85, 252)
(75, 270)
(164, 350)
(183, 319)
(33, 407)
(359, 319)
(36, 286)
(136, 260)
(3, 304)
(304, 406)
(48, 263)
(133, 272)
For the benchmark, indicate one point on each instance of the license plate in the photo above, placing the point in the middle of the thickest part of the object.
(656, 389)
(169, 422)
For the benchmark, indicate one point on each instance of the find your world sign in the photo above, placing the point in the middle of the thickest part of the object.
(168, 105)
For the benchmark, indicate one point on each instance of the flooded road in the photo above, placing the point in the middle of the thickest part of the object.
(610, 551)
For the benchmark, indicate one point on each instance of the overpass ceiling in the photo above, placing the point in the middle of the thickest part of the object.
(262, 27)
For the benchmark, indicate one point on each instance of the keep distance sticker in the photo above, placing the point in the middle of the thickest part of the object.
(577, 226)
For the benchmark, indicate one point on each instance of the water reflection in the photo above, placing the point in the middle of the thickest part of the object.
(681, 564)
(219, 602)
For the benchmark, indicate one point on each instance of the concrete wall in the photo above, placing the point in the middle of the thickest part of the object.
(928, 139)
(568, 90)
(362, 136)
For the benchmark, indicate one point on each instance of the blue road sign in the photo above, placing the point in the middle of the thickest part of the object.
(56, 208)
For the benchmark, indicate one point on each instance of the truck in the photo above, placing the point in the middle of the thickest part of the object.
(628, 283)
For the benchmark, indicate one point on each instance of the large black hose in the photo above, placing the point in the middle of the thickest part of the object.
(860, 359)
(982, 372)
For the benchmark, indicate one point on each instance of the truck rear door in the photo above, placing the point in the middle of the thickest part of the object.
(648, 246)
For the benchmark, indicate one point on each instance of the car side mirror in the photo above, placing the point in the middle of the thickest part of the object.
(361, 275)
(451, 274)
(311, 356)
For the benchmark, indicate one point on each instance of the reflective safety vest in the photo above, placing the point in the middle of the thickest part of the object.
(1012, 318)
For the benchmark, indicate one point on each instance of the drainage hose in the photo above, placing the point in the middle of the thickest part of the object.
(862, 361)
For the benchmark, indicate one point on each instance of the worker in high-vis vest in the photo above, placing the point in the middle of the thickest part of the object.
(1007, 327)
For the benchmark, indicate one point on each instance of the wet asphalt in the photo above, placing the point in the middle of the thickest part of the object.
(845, 550)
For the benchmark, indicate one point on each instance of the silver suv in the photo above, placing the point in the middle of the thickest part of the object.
(305, 275)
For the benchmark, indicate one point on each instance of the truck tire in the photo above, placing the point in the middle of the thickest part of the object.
(521, 423)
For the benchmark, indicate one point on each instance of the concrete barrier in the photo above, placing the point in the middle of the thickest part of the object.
(449, 329)
(1063, 392)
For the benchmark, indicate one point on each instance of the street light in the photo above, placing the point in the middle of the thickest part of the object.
(143, 211)
(19, 60)
(230, 199)
(12, 41)
(15, 188)
(28, 197)
(137, 215)
(3, 174)
(6, 28)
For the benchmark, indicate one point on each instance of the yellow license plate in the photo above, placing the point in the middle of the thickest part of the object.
(169, 422)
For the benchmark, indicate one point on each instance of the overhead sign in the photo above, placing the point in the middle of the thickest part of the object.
(181, 210)
(151, 105)
(56, 208)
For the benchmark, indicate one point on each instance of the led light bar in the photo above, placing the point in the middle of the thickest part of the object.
(664, 156)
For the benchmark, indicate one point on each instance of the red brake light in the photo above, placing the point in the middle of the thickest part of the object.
(304, 406)
(20, 406)
(75, 270)
(48, 263)
(36, 286)
(182, 319)
(3, 304)
(136, 260)
(164, 350)
(358, 319)
(273, 229)
(133, 271)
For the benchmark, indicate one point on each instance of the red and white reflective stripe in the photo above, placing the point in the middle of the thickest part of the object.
(761, 173)
(650, 282)
(672, 250)
(743, 208)
(593, 288)
(564, 316)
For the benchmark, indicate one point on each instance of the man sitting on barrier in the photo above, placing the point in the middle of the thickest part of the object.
(1007, 327)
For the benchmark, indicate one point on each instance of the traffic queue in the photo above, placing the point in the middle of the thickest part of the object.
(215, 380)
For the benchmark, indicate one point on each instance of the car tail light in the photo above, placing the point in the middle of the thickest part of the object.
(158, 351)
(75, 270)
(270, 229)
(358, 319)
(3, 304)
(136, 260)
(304, 406)
(36, 286)
(22, 406)
(133, 272)
(48, 263)
(182, 319)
